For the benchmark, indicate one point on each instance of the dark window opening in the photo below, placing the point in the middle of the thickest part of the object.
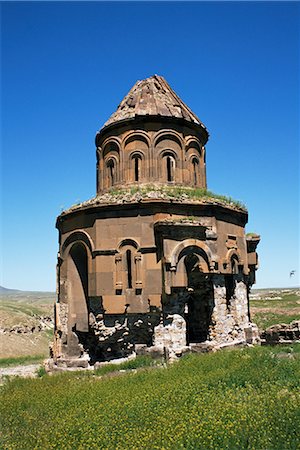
(111, 171)
(136, 168)
(195, 170)
(129, 268)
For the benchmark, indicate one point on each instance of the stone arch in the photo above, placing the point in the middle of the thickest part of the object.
(180, 247)
(168, 134)
(194, 257)
(193, 144)
(169, 151)
(111, 144)
(128, 241)
(233, 253)
(78, 236)
(136, 135)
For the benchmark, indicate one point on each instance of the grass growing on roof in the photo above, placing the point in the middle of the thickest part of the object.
(149, 191)
(239, 399)
(177, 192)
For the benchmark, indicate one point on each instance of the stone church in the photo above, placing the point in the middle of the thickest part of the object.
(154, 263)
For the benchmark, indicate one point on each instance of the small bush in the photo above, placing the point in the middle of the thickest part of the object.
(41, 371)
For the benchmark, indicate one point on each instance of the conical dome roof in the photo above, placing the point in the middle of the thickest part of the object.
(152, 97)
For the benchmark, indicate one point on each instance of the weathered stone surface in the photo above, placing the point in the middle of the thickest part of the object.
(152, 97)
(171, 336)
(153, 263)
(282, 333)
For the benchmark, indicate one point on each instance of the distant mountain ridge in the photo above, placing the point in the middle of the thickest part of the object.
(4, 290)
(7, 291)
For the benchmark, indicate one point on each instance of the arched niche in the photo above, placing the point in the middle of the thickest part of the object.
(194, 164)
(111, 170)
(128, 266)
(168, 158)
(195, 170)
(233, 262)
(136, 154)
(195, 261)
(137, 166)
(111, 166)
(77, 276)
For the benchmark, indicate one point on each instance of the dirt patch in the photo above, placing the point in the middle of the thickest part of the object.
(20, 371)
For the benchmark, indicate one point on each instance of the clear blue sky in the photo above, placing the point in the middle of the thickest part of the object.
(66, 67)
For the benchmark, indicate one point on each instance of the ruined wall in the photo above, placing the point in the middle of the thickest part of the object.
(140, 270)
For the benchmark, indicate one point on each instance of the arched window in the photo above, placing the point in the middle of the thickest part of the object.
(169, 168)
(195, 164)
(111, 172)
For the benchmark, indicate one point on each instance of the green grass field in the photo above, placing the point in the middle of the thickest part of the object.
(238, 399)
(270, 307)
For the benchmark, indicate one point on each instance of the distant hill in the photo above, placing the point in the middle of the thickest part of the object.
(4, 290)
(17, 292)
